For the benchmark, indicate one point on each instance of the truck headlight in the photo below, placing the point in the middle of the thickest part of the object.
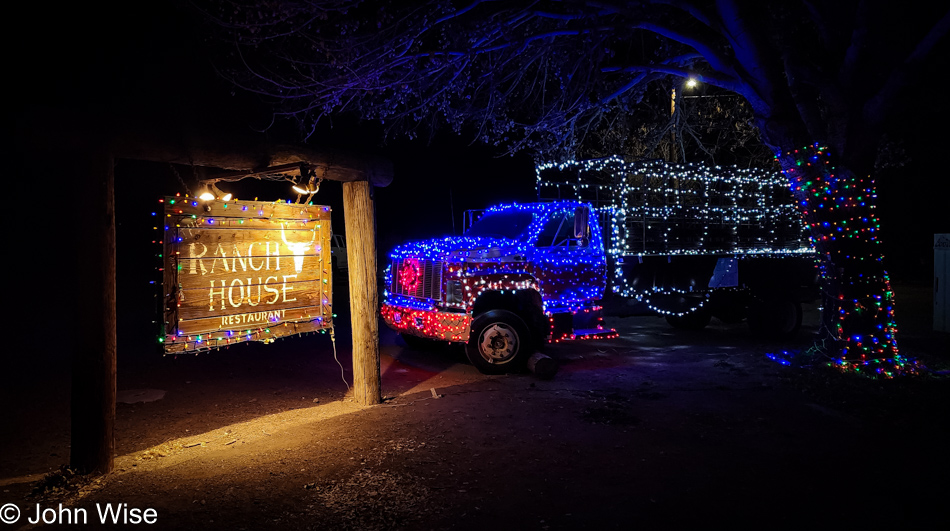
(453, 292)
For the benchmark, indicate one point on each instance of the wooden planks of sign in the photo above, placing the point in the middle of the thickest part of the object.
(243, 271)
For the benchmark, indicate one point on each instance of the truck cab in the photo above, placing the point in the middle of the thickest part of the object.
(520, 276)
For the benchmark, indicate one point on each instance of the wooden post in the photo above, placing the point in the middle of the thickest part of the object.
(361, 257)
(94, 355)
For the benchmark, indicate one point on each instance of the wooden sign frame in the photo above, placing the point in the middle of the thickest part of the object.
(238, 271)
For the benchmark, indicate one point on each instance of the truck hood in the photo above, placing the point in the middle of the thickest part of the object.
(463, 249)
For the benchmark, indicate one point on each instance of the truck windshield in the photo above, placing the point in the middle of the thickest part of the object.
(509, 225)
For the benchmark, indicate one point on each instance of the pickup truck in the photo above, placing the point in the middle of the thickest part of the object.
(521, 275)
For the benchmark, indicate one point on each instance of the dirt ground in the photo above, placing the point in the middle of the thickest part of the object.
(656, 429)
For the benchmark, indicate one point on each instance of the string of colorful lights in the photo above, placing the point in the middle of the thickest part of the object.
(839, 210)
(199, 217)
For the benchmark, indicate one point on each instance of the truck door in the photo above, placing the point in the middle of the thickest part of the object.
(570, 269)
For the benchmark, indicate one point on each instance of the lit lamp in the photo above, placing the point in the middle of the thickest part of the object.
(205, 194)
(309, 189)
(210, 192)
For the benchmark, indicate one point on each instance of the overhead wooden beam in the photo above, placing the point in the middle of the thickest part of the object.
(332, 165)
(191, 145)
(243, 151)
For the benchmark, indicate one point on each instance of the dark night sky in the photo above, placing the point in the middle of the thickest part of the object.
(150, 60)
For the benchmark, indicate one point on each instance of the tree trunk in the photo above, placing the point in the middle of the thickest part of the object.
(858, 326)
(92, 409)
(361, 258)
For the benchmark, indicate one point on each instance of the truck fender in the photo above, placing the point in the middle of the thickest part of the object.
(525, 303)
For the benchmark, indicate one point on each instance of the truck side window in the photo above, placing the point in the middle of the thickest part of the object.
(558, 232)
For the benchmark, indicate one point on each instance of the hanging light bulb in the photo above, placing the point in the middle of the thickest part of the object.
(205, 193)
(309, 189)
(210, 192)
(312, 186)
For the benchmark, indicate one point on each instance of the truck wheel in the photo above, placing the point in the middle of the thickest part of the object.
(775, 318)
(500, 342)
(696, 320)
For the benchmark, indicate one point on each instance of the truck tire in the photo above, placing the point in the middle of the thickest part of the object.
(500, 342)
(696, 320)
(775, 318)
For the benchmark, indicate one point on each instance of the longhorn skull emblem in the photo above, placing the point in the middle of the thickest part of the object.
(298, 249)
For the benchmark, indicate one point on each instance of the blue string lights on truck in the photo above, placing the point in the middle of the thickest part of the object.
(521, 274)
(486, 257)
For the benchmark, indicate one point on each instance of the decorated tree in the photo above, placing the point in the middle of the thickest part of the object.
(819, 78)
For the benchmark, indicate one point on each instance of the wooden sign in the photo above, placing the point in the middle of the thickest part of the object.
(243, 271)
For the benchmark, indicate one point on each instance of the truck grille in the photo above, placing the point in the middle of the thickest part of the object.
(417, 278)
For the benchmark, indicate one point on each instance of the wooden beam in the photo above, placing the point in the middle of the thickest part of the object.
(229, 149)
(361, 257)
(94, 355)
(189, 144)
(241, 156)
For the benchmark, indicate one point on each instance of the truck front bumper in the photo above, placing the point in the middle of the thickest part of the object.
(431, 324)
